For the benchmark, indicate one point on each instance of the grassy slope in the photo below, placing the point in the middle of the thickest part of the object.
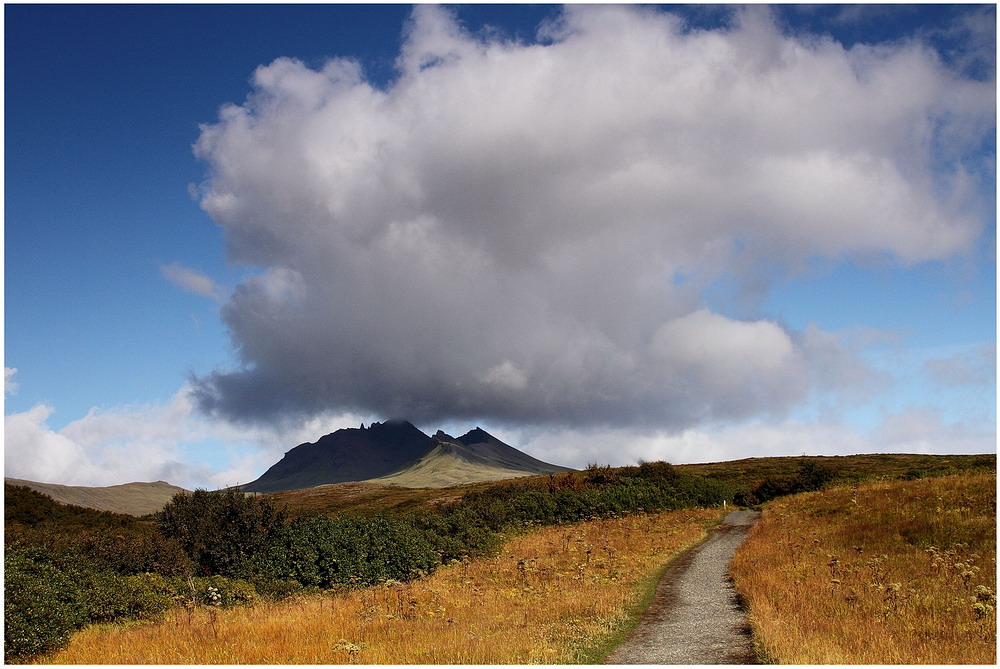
(137, 499)
(898, 572)
(438, 469)
(551, 596)
(847, 468)
(369, 497)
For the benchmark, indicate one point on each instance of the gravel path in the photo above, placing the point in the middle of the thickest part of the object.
(694, 617)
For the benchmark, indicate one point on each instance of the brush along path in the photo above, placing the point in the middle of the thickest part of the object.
(694, 617)
(551, 596)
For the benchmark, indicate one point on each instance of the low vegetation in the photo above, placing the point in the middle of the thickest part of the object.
(552, 596)
(898, 572)
(68, 568)
(755, 480)
(250, 548)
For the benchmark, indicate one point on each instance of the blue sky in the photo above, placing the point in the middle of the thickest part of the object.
(511, 216)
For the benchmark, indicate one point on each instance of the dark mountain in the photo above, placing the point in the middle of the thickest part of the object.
(397, 452)
(353, 454)
(485, 445)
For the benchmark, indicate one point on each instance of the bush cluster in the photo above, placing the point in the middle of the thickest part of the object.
(221, 531)
(49, 594)
(474, 525)
(811, 476)
(327, 553)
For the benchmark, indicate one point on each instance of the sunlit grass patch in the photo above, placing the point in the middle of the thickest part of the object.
(888, 573)
(550, 596)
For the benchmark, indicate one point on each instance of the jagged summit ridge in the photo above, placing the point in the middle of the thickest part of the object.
(349, 454)
(396, 451)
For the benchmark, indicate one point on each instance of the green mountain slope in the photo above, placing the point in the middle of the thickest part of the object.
(472, 458)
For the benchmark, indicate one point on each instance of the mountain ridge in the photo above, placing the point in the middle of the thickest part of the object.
(397, 452)
(349, 454)
(475, 457)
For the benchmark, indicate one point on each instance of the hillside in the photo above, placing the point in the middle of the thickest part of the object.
(137, 499)
(448, 465)
(748, 472)
(476, 456)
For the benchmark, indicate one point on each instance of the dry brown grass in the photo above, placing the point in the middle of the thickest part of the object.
(549, 597)
(888, 573)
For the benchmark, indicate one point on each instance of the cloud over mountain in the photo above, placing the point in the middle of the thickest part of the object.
(524, 232)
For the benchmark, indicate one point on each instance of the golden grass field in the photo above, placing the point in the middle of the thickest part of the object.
(556, 595)
(886, 573)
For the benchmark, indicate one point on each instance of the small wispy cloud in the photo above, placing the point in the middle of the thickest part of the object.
(974, 367)
(192, 281)
(9, 384)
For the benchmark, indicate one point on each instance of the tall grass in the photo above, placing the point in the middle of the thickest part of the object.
(549, 597)
(889, 573)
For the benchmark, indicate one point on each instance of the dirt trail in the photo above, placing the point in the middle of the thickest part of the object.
(694, 617)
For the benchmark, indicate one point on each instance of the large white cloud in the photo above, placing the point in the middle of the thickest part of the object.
(169, 442)
(521, 231)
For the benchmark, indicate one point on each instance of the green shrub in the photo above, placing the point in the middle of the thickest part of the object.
(136, 552)
(457, 534)
(274, 588)
(42, 603)
(221, 531)
(48, 594)
(108, 596)
(325, 552)
(150, 594)
(811, 476)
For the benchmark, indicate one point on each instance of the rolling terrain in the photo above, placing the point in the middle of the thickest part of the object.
(68, 568)
(137, 499)
(376, 495)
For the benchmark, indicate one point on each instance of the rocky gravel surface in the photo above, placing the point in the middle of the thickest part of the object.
(695, 617)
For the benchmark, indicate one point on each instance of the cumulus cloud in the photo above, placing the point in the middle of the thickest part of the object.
(101, 448)
(521, 232)
(150, 443)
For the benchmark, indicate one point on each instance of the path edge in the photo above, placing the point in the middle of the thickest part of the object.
(599, 652)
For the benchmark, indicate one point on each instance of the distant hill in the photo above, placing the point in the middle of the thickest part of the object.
(136, 499)
(396, 452)
(474, 457)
